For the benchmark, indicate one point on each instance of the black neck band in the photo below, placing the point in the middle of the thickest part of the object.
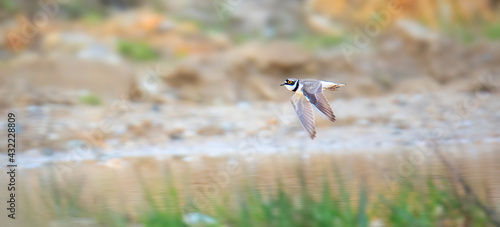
(296, 86)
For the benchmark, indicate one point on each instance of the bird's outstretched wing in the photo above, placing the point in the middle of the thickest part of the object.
(304, 111)
(314, 92)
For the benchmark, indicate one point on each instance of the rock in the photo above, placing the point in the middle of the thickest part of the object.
(115, 163)
(67, 42)
(377, 223)
(281, 56)
(363, 122)
(47, 151)
(400, 122)
(363, 86)
(273, 122)
(196, 218)
(176, 134)
(271, 18)
(211, 130)
(97, 52)
(416, 31)
(33, 81)
(145, 127)
(421, 84)
(133, 24)
(475, 83)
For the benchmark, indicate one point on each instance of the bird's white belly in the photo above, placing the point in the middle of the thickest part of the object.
(299, 89)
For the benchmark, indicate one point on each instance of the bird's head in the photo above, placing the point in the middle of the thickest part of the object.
(289, 83)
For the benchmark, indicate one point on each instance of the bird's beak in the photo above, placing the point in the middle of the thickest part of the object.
(282, 84)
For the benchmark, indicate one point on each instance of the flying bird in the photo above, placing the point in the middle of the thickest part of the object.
(307, 92)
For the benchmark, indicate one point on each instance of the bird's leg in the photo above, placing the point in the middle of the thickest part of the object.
(335, 87)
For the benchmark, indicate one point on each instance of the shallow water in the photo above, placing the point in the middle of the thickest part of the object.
(118, 184)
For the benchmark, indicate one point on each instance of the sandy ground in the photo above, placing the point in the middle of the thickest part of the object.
(388, 123)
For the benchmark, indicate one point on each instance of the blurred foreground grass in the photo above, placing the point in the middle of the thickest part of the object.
(436, 202)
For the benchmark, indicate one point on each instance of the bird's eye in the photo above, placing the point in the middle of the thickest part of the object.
(290, 82)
